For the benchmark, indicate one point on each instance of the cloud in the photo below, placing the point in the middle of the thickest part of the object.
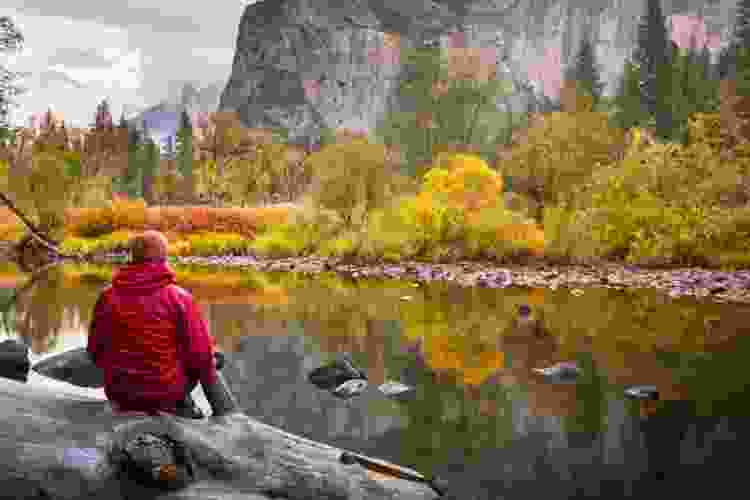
(79, 52)
(70, 56)
(122, 14)
(51, 77)
(125, 73)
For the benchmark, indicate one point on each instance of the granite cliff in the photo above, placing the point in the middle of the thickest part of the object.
(309, 64)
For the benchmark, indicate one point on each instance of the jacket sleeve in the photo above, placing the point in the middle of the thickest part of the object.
(98, 329)
(198, 345)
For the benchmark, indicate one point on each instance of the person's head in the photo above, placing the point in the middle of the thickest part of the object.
(148, 246)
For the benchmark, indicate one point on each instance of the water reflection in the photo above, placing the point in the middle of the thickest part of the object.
(481, 415)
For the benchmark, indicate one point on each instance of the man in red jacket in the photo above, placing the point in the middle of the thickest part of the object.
(149, 337)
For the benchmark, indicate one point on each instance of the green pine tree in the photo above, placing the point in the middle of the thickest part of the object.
(585, 72)
(734, 61)
(741, 32)
(149, 167)
(655, 72)
(627, 102)
(132, 180)
(184, 145)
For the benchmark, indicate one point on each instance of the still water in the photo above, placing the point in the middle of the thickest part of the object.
(480, 416)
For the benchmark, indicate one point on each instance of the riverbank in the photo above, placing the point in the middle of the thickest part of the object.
(718, 286)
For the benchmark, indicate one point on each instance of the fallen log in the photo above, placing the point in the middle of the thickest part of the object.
(36, 234)
(45, 422)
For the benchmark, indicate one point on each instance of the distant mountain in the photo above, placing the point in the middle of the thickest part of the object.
(188, 97)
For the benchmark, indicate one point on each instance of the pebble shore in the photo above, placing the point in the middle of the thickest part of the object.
(717, 286)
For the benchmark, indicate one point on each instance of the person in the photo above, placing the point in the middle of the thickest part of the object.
(149, 337)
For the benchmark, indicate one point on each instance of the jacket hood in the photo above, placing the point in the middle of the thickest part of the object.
(143, 278)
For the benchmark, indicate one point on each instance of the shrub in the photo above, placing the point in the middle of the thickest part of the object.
(282, 241)
(659, 205)
(412, 226)
(345, 245)
(499, 233)
(128, 214)
(465, 182)
(209, 244)
(89, 222)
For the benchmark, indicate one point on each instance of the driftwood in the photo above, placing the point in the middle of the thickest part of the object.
(236, 456)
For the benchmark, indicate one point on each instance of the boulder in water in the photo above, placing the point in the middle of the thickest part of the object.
(350, 388)
(642, 392)
(565, 370)
(336, 373)
(396, 390)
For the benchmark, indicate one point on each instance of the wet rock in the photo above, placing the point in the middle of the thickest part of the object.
(642, 392)
(335, 375)
(565, 370)
(396, 390)
(350, 388)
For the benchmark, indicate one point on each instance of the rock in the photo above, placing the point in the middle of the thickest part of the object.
(308, 64)
(336, 373)
(396, 390)
(560, 371)
(155, 460)
(642, 392)
(350, 388)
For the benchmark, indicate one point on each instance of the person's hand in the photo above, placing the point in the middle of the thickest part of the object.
(219, 360)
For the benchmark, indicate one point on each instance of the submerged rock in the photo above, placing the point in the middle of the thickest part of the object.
(642, 392)
(350, 388)
(565, 370)
(396, 390)
(340, 377)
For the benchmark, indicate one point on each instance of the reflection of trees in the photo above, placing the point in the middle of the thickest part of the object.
(46, 305)
(39, 312)
(445, 422)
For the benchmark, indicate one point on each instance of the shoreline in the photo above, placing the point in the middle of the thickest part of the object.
(701, 283)
(717, 286)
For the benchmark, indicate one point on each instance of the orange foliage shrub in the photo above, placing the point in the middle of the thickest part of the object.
(135, 216)
(529, 234)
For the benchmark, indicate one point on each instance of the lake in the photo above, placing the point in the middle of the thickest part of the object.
(480, 417)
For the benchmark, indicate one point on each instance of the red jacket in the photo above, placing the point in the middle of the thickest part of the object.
(149, 337)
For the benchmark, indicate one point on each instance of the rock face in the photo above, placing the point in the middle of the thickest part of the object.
(308, 64)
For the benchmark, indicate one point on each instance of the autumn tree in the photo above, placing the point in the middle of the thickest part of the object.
(450, 109)
(351, 178)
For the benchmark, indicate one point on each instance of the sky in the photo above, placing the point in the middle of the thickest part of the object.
(134, 53)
